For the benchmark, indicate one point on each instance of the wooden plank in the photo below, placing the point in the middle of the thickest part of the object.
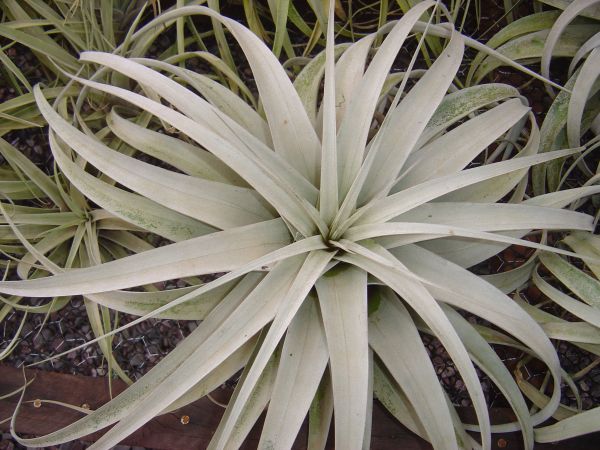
(167, 431)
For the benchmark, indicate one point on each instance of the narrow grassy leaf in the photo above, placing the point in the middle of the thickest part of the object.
(42, 44)
(49, 242)
(32, 172)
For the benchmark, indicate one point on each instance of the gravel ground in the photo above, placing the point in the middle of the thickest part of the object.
(136, 349)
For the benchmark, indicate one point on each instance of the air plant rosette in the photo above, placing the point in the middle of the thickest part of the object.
(339, 240)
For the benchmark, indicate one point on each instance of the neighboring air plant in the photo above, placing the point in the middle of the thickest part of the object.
(573, 292)
(341, 224)
(541, 38)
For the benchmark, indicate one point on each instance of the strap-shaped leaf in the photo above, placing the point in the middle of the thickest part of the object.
(495, 216)
(390, 395)
(133, 208)
(128, 400)
(218, 204)
(581, 91)
(457, 105)
(319, 416)
(524, 25)
(254, 407)
(424, 304)
(429, 231)
(343, 301)
(488, 360)
(240, 325)
(217, 377)
(588, 246)
(460, 288)
(292, 132)
(577, 425)
(202, 112)
(349, 72)
(216, 252)
(273, 188)
(142, 303)
(395, 339)
(291, 129)
(579, 309)
(221, 98)
(580, 283)
(454, 150)
(328, 201)
(406, 123)
(303, 360)
(558, 28)
(311, 270)
(354, 129)
(531, 46)
(407, 199)
(181, 155)
(308, 83)
(494, 189)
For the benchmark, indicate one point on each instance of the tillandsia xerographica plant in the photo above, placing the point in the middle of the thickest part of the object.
(344, 223)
